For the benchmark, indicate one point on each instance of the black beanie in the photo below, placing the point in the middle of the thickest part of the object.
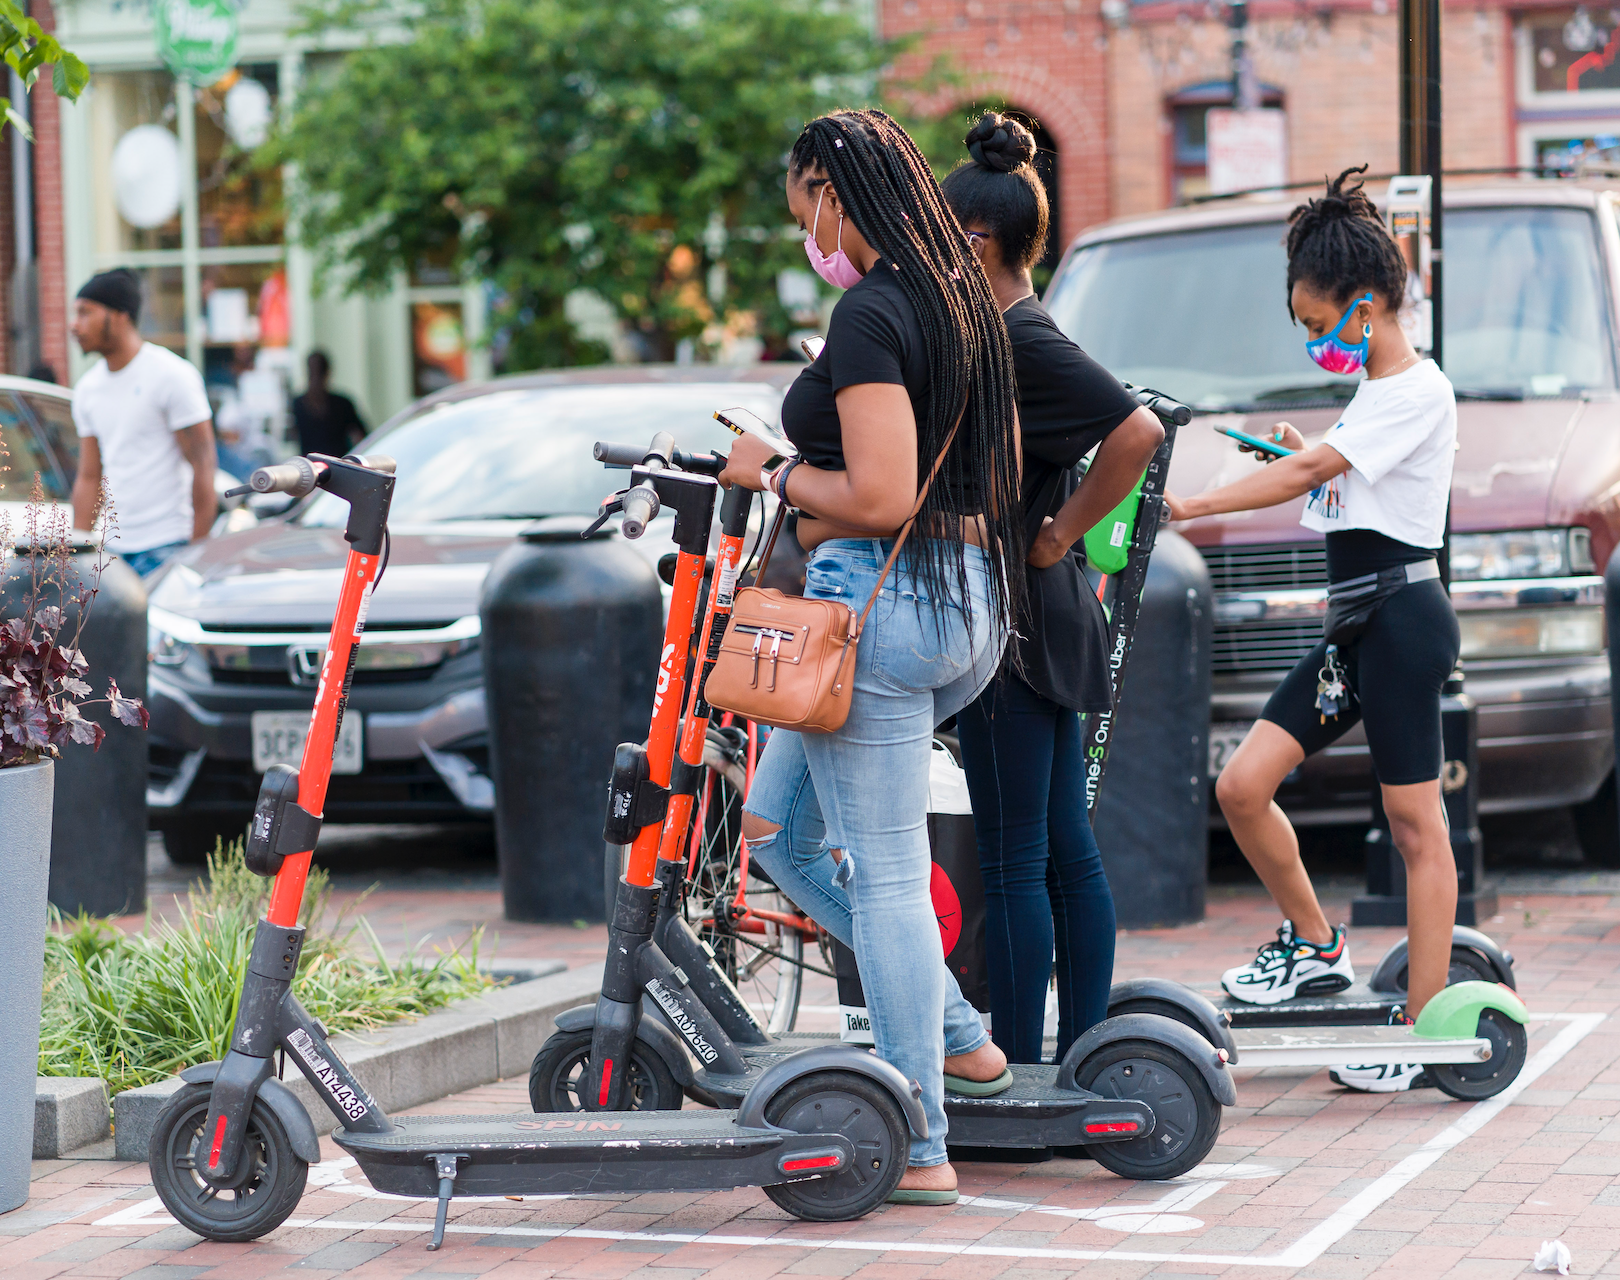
(118, 290)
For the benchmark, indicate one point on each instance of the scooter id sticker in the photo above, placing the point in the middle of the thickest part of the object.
(365, 609)
(352, 1104)
(682, 1020)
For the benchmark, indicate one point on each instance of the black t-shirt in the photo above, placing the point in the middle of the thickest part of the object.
(334, 432)
(1067, 404)
(873, 337)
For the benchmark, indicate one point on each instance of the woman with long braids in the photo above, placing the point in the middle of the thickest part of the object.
(1044, 885)
(1378, 483)
(915, 352)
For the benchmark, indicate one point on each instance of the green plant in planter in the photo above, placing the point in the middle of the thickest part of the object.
(42, 669)
(136, 1008)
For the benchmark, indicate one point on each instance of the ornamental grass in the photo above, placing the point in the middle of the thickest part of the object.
(136, 1008)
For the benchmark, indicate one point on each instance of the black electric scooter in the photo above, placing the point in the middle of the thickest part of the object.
(825, 1132)
(1172, 1072)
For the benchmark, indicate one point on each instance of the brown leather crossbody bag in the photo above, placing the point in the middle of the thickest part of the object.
(788, 661)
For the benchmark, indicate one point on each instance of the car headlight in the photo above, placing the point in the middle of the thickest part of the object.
(164, 649)
(1521, 553)
(1525, 633)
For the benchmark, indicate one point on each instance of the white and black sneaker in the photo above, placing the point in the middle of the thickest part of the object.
(1389, 1077)
(1290, 967)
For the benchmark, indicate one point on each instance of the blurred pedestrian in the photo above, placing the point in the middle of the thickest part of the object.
(1044, 884)
(326, 421)
(42, 371)
(144, 425)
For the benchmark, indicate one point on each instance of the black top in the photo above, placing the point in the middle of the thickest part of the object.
(1353, 553)
(873, 336)
(1067, 404)
(334, 432)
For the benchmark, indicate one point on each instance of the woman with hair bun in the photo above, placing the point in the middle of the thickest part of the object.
(1378, 483)
(915, 369)
(1021, 744)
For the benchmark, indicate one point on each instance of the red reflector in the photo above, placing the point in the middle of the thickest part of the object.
(607, 1079)
(809, 1162)
(1114, 1126)
(219, 1141)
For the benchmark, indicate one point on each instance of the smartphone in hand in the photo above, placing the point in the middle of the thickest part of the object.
(1270, 447)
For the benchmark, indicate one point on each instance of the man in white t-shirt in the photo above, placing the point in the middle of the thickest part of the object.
(145, 425)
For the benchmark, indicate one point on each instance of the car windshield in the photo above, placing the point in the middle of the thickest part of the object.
(522, 454)
(1201, 315)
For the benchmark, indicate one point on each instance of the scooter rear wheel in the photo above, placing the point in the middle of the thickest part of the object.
(1186, 1114)
(862, 1111)
(560, 1065)
(1472, 1081)
(258, 1205)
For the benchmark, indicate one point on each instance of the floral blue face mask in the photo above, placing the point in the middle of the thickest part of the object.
(1340, 357)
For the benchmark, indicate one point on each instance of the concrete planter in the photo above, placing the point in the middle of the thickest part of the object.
(26, 793)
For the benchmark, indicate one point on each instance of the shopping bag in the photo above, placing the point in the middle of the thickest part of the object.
(958, 895)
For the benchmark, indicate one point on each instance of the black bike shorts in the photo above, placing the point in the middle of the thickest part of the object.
(1395, 672)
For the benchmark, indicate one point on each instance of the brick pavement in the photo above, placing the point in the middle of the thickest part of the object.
(1307, 1180)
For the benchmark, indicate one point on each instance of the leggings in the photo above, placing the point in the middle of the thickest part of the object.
(1044, 884)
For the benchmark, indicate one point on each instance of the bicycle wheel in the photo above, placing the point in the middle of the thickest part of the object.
(763, 958)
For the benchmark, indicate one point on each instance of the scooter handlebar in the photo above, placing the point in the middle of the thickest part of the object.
(296, 476)
(633, 455)
(1167, 409)
(640, 506)
(372, 461)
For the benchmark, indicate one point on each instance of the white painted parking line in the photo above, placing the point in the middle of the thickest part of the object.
(1301, 1253)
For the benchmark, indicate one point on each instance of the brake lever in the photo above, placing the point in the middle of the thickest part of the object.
(239, 491)
(611, 506)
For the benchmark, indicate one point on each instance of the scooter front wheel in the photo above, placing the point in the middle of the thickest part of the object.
(1475, 1080)
(260, 1202)
(559, 1067)
(864, 1112)
(1186, 1113)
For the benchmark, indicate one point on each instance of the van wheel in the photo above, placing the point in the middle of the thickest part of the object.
(1597, 827)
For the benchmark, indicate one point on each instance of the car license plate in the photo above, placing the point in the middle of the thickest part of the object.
(278, 738)
(1223, 741)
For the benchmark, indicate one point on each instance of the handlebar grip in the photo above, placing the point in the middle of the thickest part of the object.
(1168, 409)
(372, 461)
(640, 506)
(618, 455)
(296, 476)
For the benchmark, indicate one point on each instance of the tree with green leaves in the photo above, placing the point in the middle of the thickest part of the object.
(29, 49)
(634, 148)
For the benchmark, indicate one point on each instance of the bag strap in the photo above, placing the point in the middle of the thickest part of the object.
(782, 511)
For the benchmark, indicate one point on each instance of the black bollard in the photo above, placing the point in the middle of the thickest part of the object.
(1152, 820)
(98, 828)
(571, 631)
(1384, 903)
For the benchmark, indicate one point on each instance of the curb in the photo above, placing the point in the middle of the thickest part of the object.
(474, 1042)
(69, 1112)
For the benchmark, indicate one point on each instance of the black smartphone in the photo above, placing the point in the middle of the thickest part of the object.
(744, 422)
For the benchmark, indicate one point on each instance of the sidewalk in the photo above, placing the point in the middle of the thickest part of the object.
(1307, 1180)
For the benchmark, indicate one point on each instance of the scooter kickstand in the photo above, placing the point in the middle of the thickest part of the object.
(445, 1164)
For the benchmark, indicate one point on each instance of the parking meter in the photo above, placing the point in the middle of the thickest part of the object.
(1406, 211)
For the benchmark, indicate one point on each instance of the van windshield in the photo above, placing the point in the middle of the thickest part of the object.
(1201, 315)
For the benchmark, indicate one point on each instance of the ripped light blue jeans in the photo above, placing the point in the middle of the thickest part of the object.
(864, 790)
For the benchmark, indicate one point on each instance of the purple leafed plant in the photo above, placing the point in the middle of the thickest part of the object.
(44, 684)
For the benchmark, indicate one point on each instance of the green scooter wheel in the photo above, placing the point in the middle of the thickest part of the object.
(1472, 1081)
(268, 1185)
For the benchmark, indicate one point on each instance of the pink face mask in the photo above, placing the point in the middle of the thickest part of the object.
(836, 269)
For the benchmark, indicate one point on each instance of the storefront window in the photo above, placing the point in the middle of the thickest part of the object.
(163, 307)
(133, 144)
(1574, 51)
(238, 200)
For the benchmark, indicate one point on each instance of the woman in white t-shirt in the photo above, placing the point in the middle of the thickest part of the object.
(1378, 485)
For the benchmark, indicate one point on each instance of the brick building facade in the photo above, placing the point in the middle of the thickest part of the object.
(1121, 88)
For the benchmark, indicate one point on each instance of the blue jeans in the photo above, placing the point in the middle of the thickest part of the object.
(864, 791)
(147, 562)
(1043, 873)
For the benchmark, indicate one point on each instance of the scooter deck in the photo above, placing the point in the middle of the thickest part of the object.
(1034, 1112)
(1356, 1006)
(595, 1151)
(1335, 1046)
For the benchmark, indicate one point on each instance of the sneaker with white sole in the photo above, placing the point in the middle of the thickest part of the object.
(1290, 967)
(1388, 1077)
